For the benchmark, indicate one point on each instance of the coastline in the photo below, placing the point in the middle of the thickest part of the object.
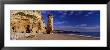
(54, 36)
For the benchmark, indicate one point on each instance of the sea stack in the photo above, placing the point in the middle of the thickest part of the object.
(50, 24)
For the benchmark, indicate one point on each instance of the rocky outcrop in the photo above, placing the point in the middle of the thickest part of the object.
(50, 24)
(27, 21)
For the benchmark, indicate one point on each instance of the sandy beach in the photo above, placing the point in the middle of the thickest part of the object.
(50, 37)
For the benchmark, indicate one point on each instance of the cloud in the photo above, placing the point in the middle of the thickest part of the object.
(93, 27)
(97, 14)
(59, 23)
(80, 28)
(43, 11)
(60, 11)
(65, 13)
(90, 12)
(79, 12)
(71, 13)
(62, 16)
(76, 14)
(63, 27)
(87, 27)
(86, 15)
(83, 25)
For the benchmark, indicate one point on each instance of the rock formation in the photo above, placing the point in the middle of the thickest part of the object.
(50, 24)
(27, 21)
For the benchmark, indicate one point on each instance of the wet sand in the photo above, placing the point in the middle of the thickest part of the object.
(51, 37)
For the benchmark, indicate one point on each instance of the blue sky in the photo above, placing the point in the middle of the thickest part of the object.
(74, 20)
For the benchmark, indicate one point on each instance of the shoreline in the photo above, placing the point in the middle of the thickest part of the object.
(54, 36)
(84, 35)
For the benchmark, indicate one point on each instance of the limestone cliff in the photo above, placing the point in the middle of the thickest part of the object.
(27, 21)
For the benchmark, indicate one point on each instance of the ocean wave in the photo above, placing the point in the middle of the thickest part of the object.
(84, 35)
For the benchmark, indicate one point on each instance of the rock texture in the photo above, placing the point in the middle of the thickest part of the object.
(50, 24)
(27, 21)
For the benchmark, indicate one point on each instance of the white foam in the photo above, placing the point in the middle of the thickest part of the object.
(84, 35)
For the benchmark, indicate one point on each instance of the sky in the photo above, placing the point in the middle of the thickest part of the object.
(74, 20)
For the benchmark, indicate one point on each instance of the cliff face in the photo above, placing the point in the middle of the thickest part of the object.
(27, 21)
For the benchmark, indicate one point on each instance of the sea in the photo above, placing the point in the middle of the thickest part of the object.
(88, 34)
(94, 34)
